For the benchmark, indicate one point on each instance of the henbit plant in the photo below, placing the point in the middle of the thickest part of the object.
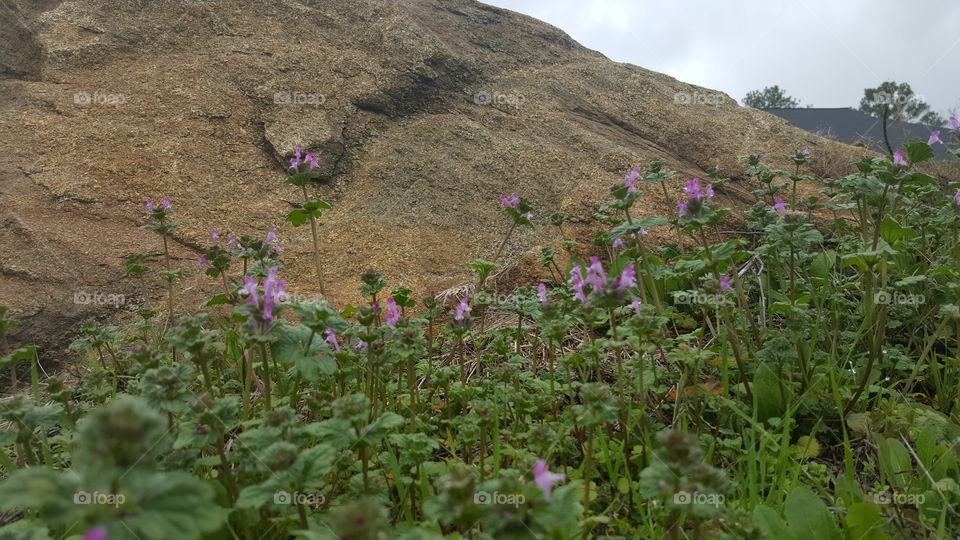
(799, 383)
(160, 213)
(302, 173)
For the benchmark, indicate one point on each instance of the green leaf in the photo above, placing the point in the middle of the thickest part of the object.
(291, 349)
(217, 300)
(864, 522)
(917, 151)
(891, 231)
(809, 517)
(771, 524)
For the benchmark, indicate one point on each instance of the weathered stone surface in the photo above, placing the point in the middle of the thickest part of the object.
(423, 112)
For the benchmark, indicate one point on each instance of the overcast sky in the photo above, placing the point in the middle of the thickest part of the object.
(823, 52)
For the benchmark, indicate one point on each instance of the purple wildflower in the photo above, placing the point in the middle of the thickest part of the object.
(779, 207)
(271, 236)
(261, 309)
(625, 280)
(635, 304)
(577, 282)
(805, 151)
(598, 280)
(596, 277)
(618, 243)
(934, 138)
(954, 123)
(361, 344)
(233, 242)
(214, 237)
(332, 339)
(204, 262)
(545, 479)
(956, 199)
(295, 160)
(898, 158)
(463, 308)
(97, 533)
(513, 201)
(165, 204)
(696, 198)
(725, 283)
(149, 205)
(630, 179)
(542, 294)
(393, 314)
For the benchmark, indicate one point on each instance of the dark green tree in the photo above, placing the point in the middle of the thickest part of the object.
(771, 97)
(896, 102)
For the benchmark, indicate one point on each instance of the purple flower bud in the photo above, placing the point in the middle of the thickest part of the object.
(215, 237)
(544, 479)
(956, 199)
(97, 533)
(463, 308)
(361, 344)
(934, 138)
(393, 314)
(954, 123)
(332, 339)
(513, 201)
(165, 204)
(725, 283)
(149, 205)
(898, 158)
(542, 294)
(779, 207)
(204, 262)
(625, 280)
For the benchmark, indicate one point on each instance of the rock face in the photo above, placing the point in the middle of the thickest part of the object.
(423, 112)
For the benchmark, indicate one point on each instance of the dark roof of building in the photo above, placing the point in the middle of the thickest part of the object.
(852, 126)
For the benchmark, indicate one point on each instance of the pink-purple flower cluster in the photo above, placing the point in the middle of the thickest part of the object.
(544, 479)
(310, 160)
(630, 179)
(461, 312)
(618, 241)
(261, 306)
(598, 281)
(697, 197)
(164, 205)
(779, 207)
(393, 314)
(899, 159)
(513, 201)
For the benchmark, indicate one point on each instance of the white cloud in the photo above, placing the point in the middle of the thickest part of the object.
(824, 52)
